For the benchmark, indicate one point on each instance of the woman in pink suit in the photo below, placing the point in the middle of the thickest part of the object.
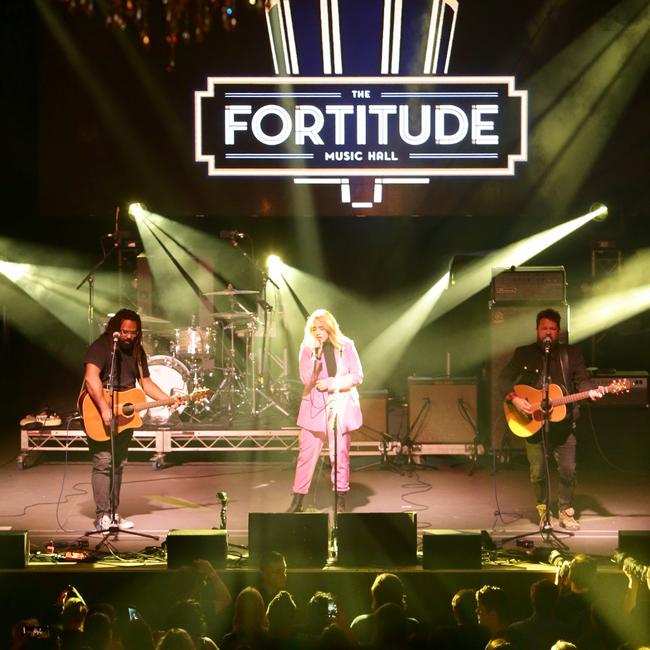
(330, 369)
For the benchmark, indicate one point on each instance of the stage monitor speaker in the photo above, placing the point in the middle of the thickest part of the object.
(635, 543)
(185, 546)
(374, 408)
(451, 549)
(438, 407)
(14, 549)
(510, 327)
(303, 538)
(383, 539)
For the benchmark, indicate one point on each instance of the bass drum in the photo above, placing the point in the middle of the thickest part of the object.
(172, 376)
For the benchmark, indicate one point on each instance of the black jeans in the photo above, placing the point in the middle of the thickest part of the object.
(562, 447)
(102, 475)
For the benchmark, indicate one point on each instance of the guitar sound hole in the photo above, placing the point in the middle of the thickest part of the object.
(127, 409)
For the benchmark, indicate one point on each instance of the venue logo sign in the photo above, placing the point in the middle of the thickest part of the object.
(390, 126)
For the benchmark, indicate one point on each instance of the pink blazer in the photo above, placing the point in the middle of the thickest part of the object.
(318, 409)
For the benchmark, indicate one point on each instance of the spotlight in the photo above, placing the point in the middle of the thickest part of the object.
(599, 212)
(274, 264)
(137, 211)
(13, 270)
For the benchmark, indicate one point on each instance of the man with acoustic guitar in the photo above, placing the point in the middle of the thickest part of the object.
(124, 330)
(568, 374)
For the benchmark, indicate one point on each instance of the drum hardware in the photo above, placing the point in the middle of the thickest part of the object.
(231, 315)
(227, 399)
(261, 400)
(230, 291)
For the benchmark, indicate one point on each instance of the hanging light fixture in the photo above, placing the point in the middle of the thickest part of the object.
(183, 20)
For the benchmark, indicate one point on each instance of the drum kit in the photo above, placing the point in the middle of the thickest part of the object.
(222, 357)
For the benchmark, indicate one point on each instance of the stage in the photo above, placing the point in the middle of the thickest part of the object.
(50, 498)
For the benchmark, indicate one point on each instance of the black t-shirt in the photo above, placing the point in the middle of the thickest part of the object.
(126, 370)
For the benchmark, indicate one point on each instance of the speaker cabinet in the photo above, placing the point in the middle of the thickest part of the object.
(437, 409)
(185, 546)
(383, 539)
(303, 538)
(451, 549)
(511, 326)
(374, 408)
(14, 549)
(635, 543)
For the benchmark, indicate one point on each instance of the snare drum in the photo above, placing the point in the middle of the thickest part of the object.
(172, 376)
(194, 342)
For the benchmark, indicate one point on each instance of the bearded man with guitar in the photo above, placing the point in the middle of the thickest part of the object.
(567, 374)
(124, 330)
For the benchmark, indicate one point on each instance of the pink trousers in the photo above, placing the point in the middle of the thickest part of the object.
(311, 444)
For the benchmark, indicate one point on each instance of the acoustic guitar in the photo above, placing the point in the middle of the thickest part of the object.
(525, 426)
(127, 405)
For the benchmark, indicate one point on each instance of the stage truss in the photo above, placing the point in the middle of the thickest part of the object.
(162, 442)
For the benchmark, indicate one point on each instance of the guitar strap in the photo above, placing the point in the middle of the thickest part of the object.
(564, 365)
(139, 364)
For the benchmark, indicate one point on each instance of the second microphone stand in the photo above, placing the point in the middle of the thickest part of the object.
(546, 530)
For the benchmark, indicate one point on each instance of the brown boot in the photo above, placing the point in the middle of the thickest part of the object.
(567, 519)
(541, 511)
(296, 503)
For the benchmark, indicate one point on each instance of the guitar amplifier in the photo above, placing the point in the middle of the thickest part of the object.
(442, 410)
(374, 409)
(545, 284)
(636, 396)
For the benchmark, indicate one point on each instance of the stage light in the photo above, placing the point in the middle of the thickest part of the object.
(137, 211)
(13, 271)
(274, 264)
(599, 212)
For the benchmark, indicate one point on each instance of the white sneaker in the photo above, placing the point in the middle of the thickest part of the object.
(123, 524)
(102, 523)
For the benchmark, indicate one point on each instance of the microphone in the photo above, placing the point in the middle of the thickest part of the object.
(223, 498)
(231, 234)
(116, 337)
(318, 351)
(547, 343)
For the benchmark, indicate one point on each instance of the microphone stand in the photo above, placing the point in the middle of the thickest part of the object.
(113, 527)
(546, 530)
(335, 433)
(408, 441)
(90, 279)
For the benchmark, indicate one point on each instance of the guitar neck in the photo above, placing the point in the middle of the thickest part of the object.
(141, 406)
(576, 397)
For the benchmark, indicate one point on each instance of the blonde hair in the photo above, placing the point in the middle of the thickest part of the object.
(329, 323)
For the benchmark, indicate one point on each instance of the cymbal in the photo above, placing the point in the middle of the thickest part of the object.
(147, 319)
(229, 292)
(153, 320)
(232, 315)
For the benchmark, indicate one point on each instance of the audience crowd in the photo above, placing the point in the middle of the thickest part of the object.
(564, 614)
